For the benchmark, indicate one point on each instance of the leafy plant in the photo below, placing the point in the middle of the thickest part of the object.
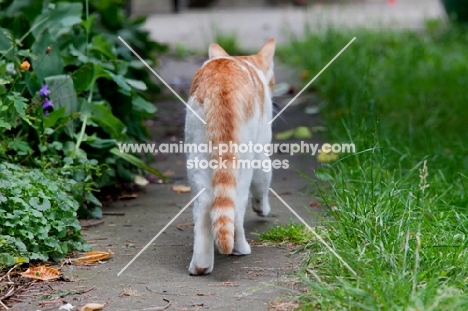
(95, 90)
(37, 214)
(12, 251)
(69, 91)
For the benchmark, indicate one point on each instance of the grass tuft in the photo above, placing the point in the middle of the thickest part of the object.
(288, 234)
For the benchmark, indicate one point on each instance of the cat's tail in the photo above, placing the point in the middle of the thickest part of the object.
(224, 178)
(223, 209)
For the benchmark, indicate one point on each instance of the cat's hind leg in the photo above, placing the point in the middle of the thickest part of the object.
(203, 246)
(241, 246)
(259, 188)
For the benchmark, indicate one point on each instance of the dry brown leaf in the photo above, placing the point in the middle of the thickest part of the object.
(93, 307)
(94, 256)
(181, 188)
(314, 204)
(41, 273)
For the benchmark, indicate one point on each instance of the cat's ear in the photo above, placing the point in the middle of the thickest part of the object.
(216, 51)
(268, 51)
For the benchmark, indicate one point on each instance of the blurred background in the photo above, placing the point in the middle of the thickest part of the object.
(257, 20)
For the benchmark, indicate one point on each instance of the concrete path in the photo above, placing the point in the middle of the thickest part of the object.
(254, 25)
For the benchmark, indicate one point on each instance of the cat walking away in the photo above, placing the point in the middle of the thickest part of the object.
(233, 95)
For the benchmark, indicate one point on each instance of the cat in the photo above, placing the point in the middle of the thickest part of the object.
(233, 96)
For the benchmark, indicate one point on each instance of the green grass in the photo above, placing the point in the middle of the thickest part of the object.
(289, 234)
(401, 201)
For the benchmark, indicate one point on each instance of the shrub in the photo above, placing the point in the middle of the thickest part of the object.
(69, 90)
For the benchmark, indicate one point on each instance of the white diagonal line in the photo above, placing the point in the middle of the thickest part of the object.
(159, 233)
(313, 79)
(159, 77)
(315, 233)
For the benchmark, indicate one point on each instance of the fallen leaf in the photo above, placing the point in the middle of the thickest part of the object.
(94, 256)
(327, 157)
(93, 307)
(140, 180)
(302, 132)
(314, 204)
(180, 188)
(41, 273)
(284, 135)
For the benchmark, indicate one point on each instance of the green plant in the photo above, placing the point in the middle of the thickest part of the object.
(37, 214)
(12, 251)
(69, 91)
(181, 51)
(94, 91)
(399, 204)
(289, 234)
(229, 41)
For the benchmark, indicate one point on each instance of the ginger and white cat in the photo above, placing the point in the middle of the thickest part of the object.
(233, 95)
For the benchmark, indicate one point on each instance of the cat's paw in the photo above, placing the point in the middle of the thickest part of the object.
(201, 264)
(260, 207)
(241, 247)
(199, 270)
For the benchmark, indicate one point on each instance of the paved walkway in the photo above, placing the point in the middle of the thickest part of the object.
(253, 26)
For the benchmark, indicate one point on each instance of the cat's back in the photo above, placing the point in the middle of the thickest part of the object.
(229, 79)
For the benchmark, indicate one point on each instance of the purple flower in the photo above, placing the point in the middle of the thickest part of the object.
(47, 105)
(44, 91)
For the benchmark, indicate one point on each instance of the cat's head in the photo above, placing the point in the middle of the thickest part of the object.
(263, 60)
